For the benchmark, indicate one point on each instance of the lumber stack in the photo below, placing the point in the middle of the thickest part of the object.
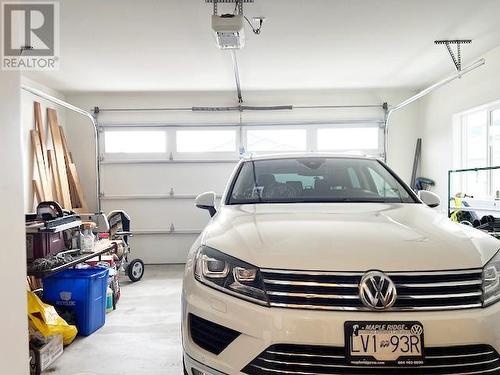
(55, 177)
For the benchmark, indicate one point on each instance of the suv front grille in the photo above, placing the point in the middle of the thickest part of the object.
(339, 290)
(289, 359)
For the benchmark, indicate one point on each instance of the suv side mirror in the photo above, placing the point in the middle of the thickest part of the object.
(429, 198)
(206, 201)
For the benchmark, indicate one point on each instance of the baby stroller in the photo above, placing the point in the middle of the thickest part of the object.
(119, 229)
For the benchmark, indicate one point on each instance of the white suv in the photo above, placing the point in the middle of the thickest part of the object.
(316, 264)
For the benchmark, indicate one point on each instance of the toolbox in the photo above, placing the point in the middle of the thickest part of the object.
(45, 230)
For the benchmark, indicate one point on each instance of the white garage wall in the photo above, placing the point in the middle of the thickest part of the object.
(479, 87)
(79, 131)
(28, 123)
(14, 347)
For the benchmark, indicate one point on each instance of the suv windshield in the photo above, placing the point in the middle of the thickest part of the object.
(295, 180)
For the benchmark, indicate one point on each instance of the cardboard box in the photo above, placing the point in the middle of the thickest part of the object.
(44, 355)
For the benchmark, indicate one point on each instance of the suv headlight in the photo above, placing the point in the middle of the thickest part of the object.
(491, 281)
(229, 275)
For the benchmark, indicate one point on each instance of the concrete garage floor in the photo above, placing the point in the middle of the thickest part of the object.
(141, 337)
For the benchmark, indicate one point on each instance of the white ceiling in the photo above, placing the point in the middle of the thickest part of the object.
(166, 45)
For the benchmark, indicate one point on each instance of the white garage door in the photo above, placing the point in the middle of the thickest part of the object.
(154, 171)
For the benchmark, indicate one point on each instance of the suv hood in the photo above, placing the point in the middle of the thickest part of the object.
(347, 237)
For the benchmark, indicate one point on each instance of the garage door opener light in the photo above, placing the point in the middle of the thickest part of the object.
(229, 30)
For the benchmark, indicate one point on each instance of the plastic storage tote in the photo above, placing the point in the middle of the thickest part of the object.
(79, 296)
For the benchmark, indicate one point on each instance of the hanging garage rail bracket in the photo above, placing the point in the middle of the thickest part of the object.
(457, 59)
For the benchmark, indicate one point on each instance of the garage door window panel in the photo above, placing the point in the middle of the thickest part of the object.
(123, 145)
(135, 142)
(276, 140)
(206, 141)
(358, 139)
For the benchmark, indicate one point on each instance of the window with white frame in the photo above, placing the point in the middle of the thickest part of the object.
(346, 139)
(477, 137)
(279, 140)
(206, 140)
(225, 143)
(135, 141)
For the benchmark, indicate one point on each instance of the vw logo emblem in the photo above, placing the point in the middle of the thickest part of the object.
(377, 291)
(416, 330)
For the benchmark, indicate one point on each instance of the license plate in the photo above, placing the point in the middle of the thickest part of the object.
(384, 343)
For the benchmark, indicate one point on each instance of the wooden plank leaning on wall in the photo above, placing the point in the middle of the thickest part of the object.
(59, 157)
(55, 176)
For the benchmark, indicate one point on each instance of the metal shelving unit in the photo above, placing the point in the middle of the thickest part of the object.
(80, 259)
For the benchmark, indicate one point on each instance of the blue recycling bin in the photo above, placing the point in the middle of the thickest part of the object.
(79, 296)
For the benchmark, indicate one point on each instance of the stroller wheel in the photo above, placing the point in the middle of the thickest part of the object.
(135, 270)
